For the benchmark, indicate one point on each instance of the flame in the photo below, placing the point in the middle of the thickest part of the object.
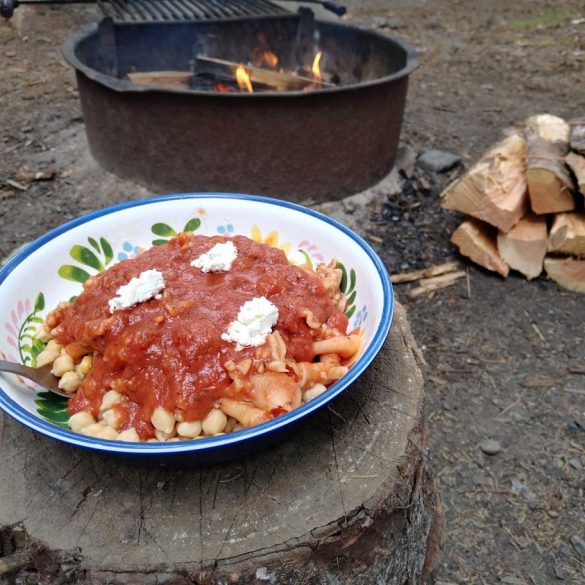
(243, 79)
(264, 57)
(315, 68)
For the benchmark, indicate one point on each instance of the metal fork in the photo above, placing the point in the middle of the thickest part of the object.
(40, 375)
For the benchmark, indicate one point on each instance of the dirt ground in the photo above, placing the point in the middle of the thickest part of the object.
(505, 356)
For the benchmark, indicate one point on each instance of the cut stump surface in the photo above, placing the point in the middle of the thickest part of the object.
(348, 499)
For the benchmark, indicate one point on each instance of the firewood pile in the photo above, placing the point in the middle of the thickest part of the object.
(525, 199)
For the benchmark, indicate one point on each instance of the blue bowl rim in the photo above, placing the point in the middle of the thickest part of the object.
(230, 439)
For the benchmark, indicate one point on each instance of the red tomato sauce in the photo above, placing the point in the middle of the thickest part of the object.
(168, 352)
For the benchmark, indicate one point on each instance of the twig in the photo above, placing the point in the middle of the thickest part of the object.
(468, 283)
(432, 284)
(424, 273)
(574, 391)
(538, 332)
(442, 278)
(16, 185)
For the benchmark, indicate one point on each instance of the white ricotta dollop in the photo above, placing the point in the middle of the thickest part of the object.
(253, 323)
(218, 259)
(139, 289)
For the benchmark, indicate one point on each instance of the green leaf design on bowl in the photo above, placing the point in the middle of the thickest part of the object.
(97, 260)
(347, 287)
(166, 231)
(85, 256)
(192, 225)
(73, 273)
(308, 260)
(53, 408)
(29, 346)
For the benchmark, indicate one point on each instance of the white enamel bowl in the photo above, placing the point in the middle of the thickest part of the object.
(52, 268)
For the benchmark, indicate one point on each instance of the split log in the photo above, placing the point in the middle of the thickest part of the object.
(523, 248)
(578, 137)
(494, 189)
(170, 79)
(348, 498)
(549, 182)
(567, 234)
(576, 163)
(477, 241)
(278, 80)
(568, 272)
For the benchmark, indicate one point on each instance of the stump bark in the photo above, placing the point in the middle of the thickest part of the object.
(348, 499)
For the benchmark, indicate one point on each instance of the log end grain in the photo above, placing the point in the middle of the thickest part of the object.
(568, 272)
(567, 234)
(524, 247)
(548, 192)
(494, 189)
(477, 241)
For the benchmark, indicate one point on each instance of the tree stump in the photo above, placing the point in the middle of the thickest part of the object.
(348, 499)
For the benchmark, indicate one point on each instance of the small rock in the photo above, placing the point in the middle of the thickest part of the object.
(575, 464)
(386, 23)
(48, 175)
(578, 545)
(559, 573)
(566, 550)
(10, 53)
(405, 160)
(491, 446)
(521, 489)
(437, 161)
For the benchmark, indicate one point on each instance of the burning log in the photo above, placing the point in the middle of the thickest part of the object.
(523, 248)
(568, 272)
(477, 241)
(567, 234)
(276, 80)
(494, 190)
(168, 79)
(549, 183)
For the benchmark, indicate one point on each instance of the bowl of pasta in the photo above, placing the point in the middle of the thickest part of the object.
(189, 328)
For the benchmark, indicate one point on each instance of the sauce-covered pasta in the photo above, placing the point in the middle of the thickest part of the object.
(165, 369)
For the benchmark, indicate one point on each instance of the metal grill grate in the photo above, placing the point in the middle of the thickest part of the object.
(181, 10)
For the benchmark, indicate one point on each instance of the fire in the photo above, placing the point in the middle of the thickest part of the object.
(315, 68)
(264, 58)
(243, 79)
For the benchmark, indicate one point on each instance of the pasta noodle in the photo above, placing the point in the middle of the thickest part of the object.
(163, 369)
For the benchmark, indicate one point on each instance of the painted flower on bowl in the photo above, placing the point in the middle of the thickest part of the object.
(271, 239)
(128, 251)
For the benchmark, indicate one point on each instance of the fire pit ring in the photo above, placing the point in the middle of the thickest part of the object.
(321, 144)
